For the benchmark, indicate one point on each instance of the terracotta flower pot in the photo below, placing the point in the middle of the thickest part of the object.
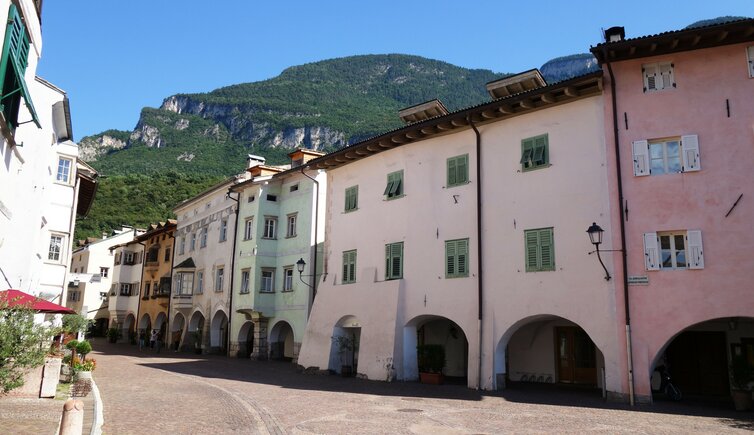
(431, 378)
(741, 400)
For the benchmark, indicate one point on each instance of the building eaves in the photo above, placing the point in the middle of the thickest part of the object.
(205, 193)
(502, 108)
(674, 41)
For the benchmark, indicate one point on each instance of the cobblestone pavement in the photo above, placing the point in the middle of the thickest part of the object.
(29, 416)
(181, 393)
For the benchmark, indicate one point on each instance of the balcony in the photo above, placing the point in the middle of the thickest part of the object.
(183, 300)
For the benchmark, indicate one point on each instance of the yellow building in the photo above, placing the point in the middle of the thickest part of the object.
(159, 244)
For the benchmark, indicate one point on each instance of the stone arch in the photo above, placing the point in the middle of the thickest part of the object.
(145, 323)
(282, 341)
(436, 329)
(196, 331)
(246, 339)
(548, 348)
(161, 325)
(344, 348)
(177, 329)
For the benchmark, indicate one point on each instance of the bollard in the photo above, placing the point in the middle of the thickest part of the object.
(72, 422)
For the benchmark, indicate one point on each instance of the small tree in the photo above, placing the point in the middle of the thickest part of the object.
(83, 348)
(75, 323)
(22, 344)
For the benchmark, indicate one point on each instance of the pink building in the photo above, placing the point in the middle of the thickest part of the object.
(679, 110)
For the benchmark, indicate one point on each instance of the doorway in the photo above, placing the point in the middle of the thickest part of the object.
(576, 356)
(698, 363)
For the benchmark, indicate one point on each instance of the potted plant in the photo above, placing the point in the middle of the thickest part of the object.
(431, 359)
(83, 369)
(83, 348)
(741, 377)
(113, 334)
(344, 344)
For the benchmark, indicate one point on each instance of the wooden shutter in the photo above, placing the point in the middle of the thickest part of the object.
(352, 267)
(650, 77)
(397, 260)
(112, 289)
(750, 58)
(117, 258)
(532, 240)
(540, 150)
(463, 257)
(463, 169)
(527, 149)
(690, 150)
(387, 261)
(696, 253)
(641, 158)
(651, 251)
(665, 74)
(546, 249)
(135, 289)
(450, 258)
(452, 172)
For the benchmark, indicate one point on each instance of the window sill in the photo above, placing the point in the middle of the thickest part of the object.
(394, 197)
(269, 238)
(346, 283)
(287, 291)
(457, 185)
(351, 210)
(246, 240)
(291, 237)
(393, 279)
(539, 270)
(63, 183)
(244, 292)
(455, 276)
(546, 165)
(266, 292)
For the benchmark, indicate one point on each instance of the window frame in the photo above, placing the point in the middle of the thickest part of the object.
(167, 255)
(452, 164)
(291, 220)
(125, 289)
(665, 156)
(671, 237)
(182, 245)
(658, 68)
(104, 271)
(245, 281)
(529, 150)
(457, 256)
(270, 222)
(66, 170)
(536, 235)
(288, 279)
(199, 283)
(184, 286)
(395, 187)
(350, 259)
(55, 251)
(223, 230)
(248, 233)
(203, 237)
(219, 279)
(192, 242)
(352, 199)
(394, 251)
(270, 279)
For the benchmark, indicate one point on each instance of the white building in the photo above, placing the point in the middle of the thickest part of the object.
(123, 303)
(467, 230)
(90, 280)
(44, 184)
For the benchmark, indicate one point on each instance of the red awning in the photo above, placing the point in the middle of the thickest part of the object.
(17, 297)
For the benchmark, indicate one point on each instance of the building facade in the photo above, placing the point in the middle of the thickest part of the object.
(123, 304)
(156, 278)
(280, 222)
(681, 107)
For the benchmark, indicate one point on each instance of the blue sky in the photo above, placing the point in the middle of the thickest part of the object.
(115, 57)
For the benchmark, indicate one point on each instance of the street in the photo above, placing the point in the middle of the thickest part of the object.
(145, 392)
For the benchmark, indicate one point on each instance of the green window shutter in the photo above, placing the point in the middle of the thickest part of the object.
(463, 257)
(389, 186)
(527, 148)
(450, 258)
(394, 184)
(349, 267)
(344, 279)
(462, 170)
(531, 238)
(540, 156)
(387, 261)
(352, 272)
(352, 198)
(13, 64)
(546, 249)
(452, 175)
(394, 260)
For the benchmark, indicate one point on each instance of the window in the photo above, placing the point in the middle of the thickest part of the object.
(269, 227)
(167, 254)
(458, 170)
(272, 198)
(199, 282)
(56, 248)
(248, 228)
(192, 244)
(184, 283)
(291, 231)
(74, 295)
(203, 238)
(128, 258)
(349, 267)
(456, 258)
(14, 61)
(658, 76)
(294, 188)
(219, 276)
(103, 271)
(250, 198)
(125, 289)
(540, 250)
(64, 170)
(268, 281)
(224, 230)
(750, 58)
(352, 198)
(394, 260)
(288, 279)
(245, 281)
(666, 156)
(673, 250)
(146, 289)
(535, 152)
(394, 188)
(182, 245)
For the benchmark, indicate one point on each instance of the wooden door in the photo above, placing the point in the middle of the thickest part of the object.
(576, 356)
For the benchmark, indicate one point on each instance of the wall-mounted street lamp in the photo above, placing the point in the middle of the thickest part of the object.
(595, 236)
(300, 266)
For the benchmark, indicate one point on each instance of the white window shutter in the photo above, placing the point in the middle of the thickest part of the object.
(641, 158)
(690, 147)
(651, 251)
(750, 58)
(696, 252)
(650, 77)
(135, 289)
(665, 75)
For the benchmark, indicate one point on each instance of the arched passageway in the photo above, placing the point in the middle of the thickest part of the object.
(344, 350)
(196, 330)
(176, 332)
(548, 349)
(218, 337)
(246, 340)
(129, 329)
(161, 325)
(435, 331)
(281, 342)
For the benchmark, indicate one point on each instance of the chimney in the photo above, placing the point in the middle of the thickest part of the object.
(252, 160)
(615, 34)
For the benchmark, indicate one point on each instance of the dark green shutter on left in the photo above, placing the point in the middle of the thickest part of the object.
(12, 68)
(540, 250)
(457, 170)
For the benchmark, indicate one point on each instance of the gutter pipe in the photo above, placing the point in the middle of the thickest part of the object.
(621, 201)
(232, 263)
(316, 230)
(141, 283)
(479, 242)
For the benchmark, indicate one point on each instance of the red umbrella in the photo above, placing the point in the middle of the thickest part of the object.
(17, 297)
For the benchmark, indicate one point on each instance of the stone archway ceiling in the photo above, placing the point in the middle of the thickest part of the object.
(513, 105)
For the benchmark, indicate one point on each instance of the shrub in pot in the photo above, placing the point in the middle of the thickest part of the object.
(431, 359)
(113, 334)
(83, 348)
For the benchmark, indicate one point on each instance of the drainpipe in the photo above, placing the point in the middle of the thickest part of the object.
(316, 228)
(170, 295)
(479, 241)
(141, 283)
(232, 264)
(621, 201)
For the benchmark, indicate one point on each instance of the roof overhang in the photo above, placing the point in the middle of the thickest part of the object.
(526, 102)
(87, 177)
(715, 35)
(423, 111)
(511, 85)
